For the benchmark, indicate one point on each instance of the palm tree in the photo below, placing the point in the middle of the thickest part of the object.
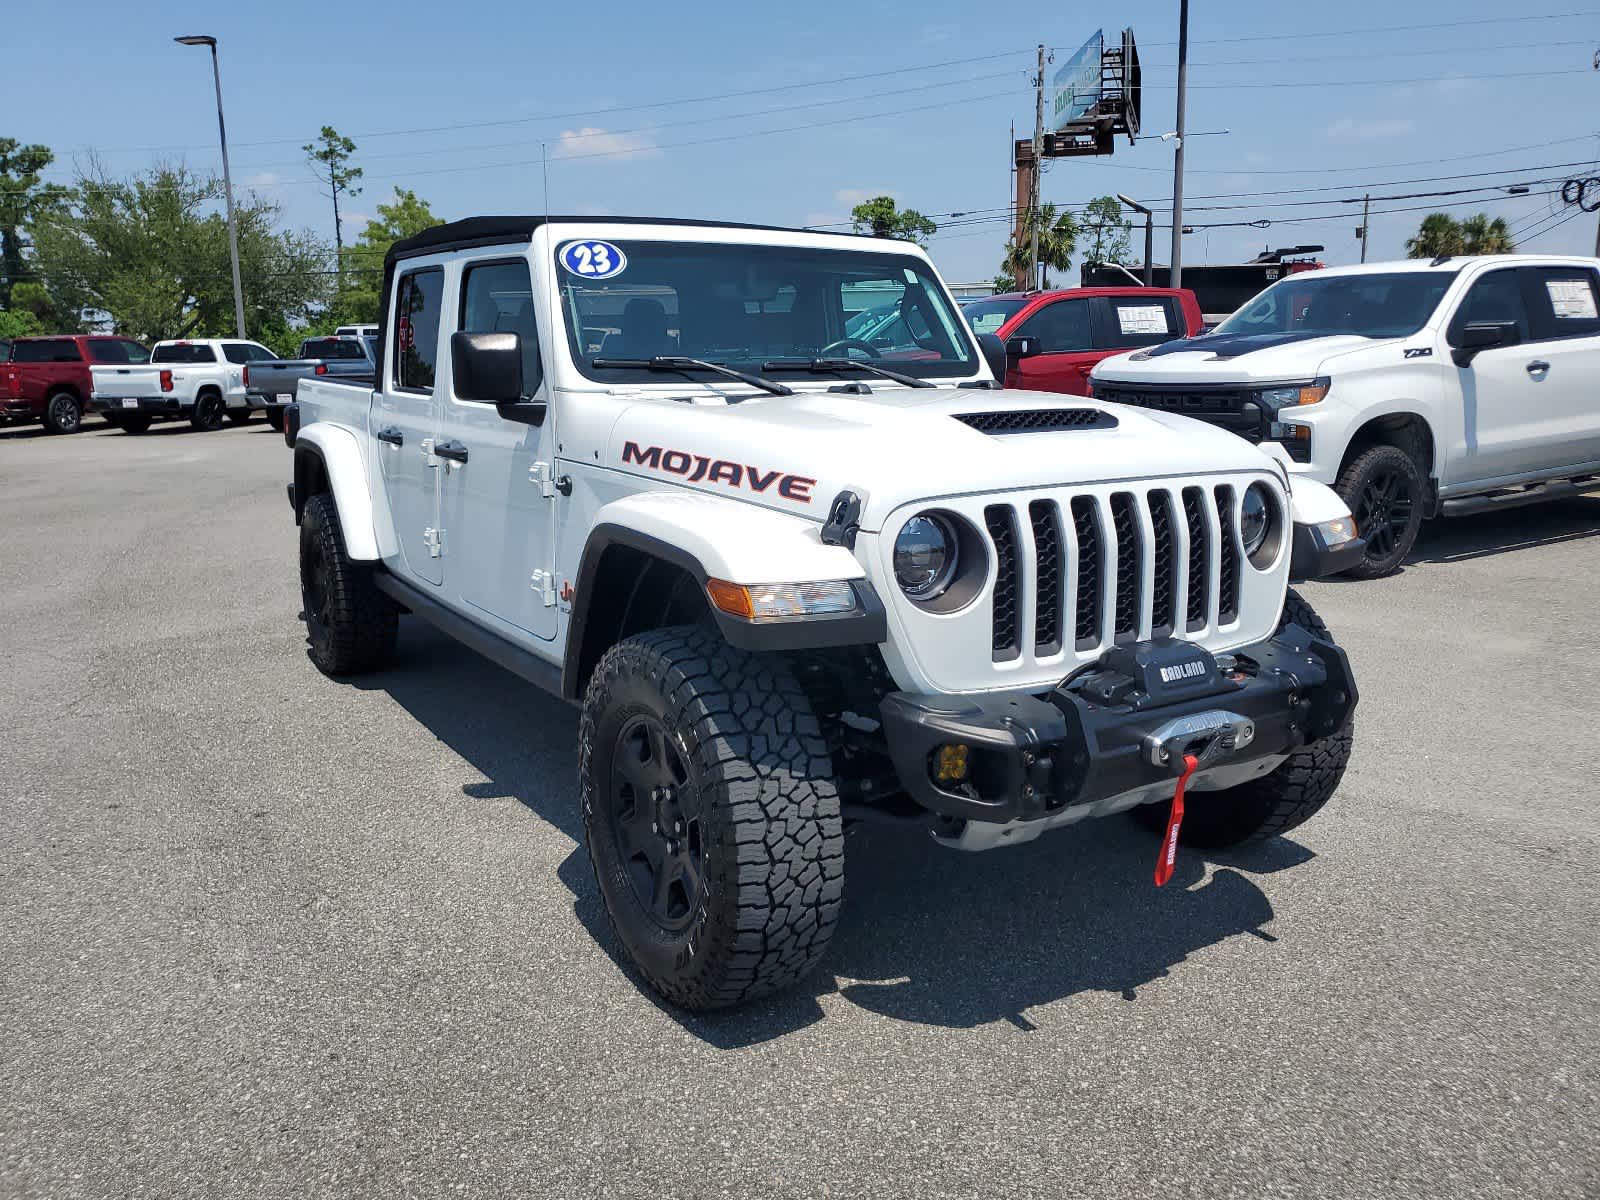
(1484, 236)
(1440, 233)
(1058, 239)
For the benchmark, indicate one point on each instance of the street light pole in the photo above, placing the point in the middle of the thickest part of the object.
(1177, 157)
(1149, 237)
(1038, 170)
(227, 178)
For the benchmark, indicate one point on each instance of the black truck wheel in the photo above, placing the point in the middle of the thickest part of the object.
(711, 816)
(275, 418)
(135, 423)
(208, 412)
(351, 626)
(1276, 803)
(239, 416)
(1384, 488)
(63, 413)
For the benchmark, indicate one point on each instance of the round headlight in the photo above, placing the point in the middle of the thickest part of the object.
(1255, 518)
(925, 556)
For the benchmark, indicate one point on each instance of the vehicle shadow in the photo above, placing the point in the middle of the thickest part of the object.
(1461, 539)
(928, 935)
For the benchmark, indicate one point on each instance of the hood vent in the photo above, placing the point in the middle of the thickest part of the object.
(1038, 420)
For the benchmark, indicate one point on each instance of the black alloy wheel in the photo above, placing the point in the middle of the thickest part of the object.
(1384, 488)
(1384, 511)
(655, 819)
(63, 414)
(208, 412)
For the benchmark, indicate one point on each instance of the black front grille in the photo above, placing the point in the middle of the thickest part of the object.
(1234, 409)
(1228, 582)
(1199, 539)
(1162, 618)
(1086, 526)
(1003, 531)
(1038, 420)
(1126, 526)
(1045, 517)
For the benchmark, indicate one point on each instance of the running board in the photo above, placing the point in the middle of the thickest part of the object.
(514, 658)
(1489, 501)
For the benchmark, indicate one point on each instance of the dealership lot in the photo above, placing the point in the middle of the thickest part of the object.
(267, 933)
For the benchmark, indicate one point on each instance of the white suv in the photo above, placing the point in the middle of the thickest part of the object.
(1414, 388)
(796, 579)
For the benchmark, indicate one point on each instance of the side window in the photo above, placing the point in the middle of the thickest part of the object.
(1061, 328)
(257, 353)
(135, 352)
(1496, 296)
(236, 352)
(416, 331)
(497, 297)
(1132, 321)
(1565, 302)
(107, 350)
(47, 350)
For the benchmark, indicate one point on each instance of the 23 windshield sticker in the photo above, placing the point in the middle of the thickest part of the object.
(593, 260)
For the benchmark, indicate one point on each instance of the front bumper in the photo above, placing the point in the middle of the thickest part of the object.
(155, 405)
(1119, 727)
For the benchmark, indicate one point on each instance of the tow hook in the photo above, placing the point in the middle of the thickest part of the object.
(1207, 737)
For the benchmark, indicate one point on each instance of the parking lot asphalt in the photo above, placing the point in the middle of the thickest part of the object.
(266, 934)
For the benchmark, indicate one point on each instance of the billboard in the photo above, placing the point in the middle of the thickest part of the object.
(1075, 88)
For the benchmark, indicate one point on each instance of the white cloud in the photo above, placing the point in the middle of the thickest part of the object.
(933, 34)
(1348, 129)
(263, 179)
(591, 141)
(850, 197)
(354, 218)
(1452, 86)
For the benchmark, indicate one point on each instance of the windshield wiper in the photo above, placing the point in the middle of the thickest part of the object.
(835, 365)
(673, 362)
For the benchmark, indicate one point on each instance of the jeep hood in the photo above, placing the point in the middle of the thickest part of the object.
(902, 445)
(1235, 358)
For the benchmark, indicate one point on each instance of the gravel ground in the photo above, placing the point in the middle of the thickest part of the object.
(265, 934)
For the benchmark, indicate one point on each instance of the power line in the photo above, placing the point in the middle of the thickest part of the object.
(1430, 27)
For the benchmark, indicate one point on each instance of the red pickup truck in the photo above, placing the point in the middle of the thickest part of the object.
(1053, 339)
(47, 378)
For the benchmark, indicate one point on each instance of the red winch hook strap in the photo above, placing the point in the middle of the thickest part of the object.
(1169, 844)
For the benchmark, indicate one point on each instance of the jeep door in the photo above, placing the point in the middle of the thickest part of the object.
(406, 420)
(499, 522)
(1067, 353)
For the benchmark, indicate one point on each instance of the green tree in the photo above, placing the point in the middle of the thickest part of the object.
(881, 218)
(362, 278)
(18, 322)
(1058, 241)
(152, 252)
(329, 158)
(1109, 233)
(24, 199)
(1440, 233)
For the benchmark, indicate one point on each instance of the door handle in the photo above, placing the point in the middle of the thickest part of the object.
(454, 451)
(1538, 367)
(392, 435)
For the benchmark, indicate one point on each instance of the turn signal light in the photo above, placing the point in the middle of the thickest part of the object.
(949, 763)
(777, 601)
(166, 381)
(1313, 393)
(322, 368)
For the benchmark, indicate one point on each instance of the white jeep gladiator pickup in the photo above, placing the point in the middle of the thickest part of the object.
(1415, 389)
(795, 579)
(199, 378)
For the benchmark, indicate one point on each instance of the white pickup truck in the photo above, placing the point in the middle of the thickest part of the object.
(200, 378)
(795, 579)
(1415, 389)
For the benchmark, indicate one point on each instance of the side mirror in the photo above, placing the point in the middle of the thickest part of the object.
(1483, 335)
(1022, 347)
(487, 367)
(994, 353)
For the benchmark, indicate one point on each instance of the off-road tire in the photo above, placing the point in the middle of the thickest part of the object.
(275, 418)
(63, 413)
(759, 803)
(1264, 808)
(239, 416)
(208, 412)
(351, 626)
(1389, 539)
(135, 423)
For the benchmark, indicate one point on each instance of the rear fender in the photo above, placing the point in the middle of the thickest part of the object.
(328, 452)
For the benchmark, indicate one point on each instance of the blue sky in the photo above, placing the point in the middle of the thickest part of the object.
(617, 93)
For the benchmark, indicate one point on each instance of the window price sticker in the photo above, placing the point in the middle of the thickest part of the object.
(1142, 318)
(1571, 298)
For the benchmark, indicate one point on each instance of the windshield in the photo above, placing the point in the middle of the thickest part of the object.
(744, 306)
(986, 316)
(1311, 304)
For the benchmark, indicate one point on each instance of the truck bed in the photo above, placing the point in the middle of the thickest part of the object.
(278, 381)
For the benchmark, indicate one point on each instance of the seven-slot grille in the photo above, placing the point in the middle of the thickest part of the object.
(1157, 562)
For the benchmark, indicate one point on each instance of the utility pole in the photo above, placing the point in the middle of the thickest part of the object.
(1177, 157)
(1038, 168)
(1366, 228)
(227, 180)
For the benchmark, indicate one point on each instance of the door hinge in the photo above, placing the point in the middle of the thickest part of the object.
(433, 539)
(549, 482)
(429, 458)
(544, 583)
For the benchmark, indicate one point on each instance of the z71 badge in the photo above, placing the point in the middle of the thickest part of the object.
(1419, 351)
(697, 467)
